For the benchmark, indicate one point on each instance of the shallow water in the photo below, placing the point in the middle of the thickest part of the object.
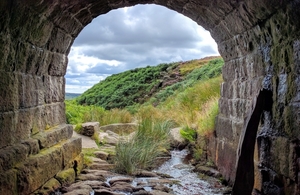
(190, 183)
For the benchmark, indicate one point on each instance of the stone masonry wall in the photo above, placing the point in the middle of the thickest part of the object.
(259, 41)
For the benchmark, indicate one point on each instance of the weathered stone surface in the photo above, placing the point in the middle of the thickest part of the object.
(88, 129)
(50, 187)
(177, 141)
(101, 154)
(70, 149)
(66, 177)
(120, 128)
(8, 182)
(109, 137)
(54, 135)
(38, 169)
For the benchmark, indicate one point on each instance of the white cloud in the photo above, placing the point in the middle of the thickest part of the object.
(133, 37)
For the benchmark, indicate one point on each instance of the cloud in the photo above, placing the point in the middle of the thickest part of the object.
(133, 37)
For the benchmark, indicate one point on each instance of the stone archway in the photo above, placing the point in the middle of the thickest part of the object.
(259, 41)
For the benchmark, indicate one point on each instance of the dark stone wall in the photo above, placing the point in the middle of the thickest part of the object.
(259, 41)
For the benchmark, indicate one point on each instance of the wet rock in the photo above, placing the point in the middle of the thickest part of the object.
(105, 192)
(207, 171)
(89, 176)
(101, 166)
(90, 128)
(77, 188)
(157, 192)
(95, 184)
(101, 173)
(162, 188)
(122, 186)
(120, 179)
(144, 173)
(79, 192)
(141, 192)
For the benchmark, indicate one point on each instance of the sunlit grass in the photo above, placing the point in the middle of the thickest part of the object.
(150, 140)
(77, 114)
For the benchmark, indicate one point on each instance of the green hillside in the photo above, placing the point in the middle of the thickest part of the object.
(154, 83)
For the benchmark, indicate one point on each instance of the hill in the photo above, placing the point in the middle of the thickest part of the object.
(69, 96)
(152, 83)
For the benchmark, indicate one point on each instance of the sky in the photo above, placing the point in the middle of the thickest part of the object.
(127, 38)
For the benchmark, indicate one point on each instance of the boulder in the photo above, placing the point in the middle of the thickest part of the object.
(120, 128)
(177, 141)
(90, 128)
(109, 138)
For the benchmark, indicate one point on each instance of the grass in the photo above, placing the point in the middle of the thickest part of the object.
(149, 142)
(77, 114)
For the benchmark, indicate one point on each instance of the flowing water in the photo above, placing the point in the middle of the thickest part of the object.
(186, 182)
(190, 183)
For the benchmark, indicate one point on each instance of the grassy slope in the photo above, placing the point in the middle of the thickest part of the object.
(139, 85)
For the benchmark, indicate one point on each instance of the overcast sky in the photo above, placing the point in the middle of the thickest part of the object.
(133, 37)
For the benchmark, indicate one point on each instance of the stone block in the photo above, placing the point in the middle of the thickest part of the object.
(58, 65)
(53, 114)
(48, 188)
(224, 128)
(38, 169)
(10, 156)
(54, 89)
(59, 41)
(66, 177)
(8, 91)
(120, 128)
(89, 128)
(54, 135)
(71, 149)
(226, 159)
(69, 24)
(279, 156)
(28, 91)
(8, 126)
(8, 182)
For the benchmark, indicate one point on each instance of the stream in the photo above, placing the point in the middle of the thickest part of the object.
(186, 182)
(190, 183)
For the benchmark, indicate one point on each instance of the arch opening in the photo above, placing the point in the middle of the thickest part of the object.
(128, 38)
(37, 36)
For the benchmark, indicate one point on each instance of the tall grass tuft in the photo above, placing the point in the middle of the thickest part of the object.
(149, 141)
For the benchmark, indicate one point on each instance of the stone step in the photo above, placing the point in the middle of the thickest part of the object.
(54, 135)
(30, 174)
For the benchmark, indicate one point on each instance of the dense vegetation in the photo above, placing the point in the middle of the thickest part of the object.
(137, 86)
(181, 94)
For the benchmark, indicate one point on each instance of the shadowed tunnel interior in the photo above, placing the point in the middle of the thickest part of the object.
(258, 40)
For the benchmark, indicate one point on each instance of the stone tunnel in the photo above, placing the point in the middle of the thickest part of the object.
(256, 145)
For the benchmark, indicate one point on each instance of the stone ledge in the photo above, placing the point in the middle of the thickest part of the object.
(12, 155)
(32, 172)
(54, 135)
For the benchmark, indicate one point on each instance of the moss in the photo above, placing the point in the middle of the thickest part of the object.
(78, 128)
(66, 176)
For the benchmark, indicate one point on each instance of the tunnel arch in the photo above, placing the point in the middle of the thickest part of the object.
(259, 41)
